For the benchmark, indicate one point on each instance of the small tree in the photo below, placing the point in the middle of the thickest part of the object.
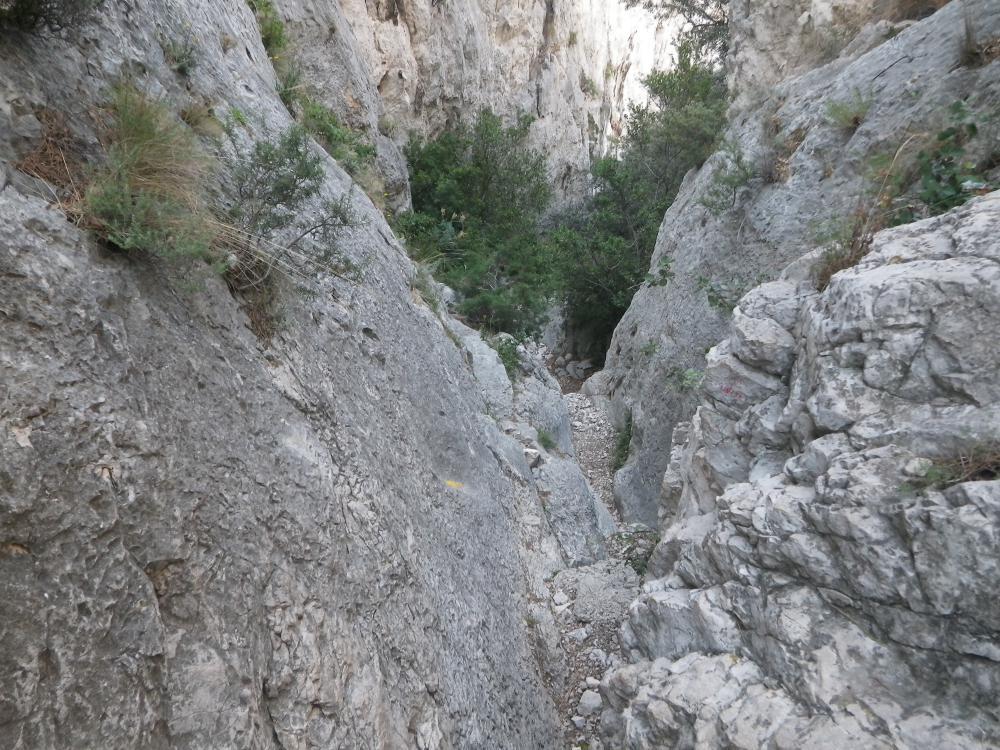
(54, 15)
(707, 22)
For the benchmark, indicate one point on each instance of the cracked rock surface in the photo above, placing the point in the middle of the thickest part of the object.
(811, 588)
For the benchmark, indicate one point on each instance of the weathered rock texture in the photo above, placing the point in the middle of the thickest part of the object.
(811, 174)
(814, 590)
(210, 542)
(573, 66)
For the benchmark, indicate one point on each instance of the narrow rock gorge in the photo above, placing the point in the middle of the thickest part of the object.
(283, 494)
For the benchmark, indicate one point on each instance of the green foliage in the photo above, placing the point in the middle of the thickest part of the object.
(506, 348)
(649, 348)
(478, 193)
(51, 15)
(342, 143)
(181, 55)
(904, 188)
(684, 379)
(274, 180)
(623, 443)
(277, 185)
(546, 440)
(587, 85)
(947, 178)
(148, 196)
(603, 253)
(290, 83)
(724, 295)
(849, 114)
(733, 174)
(571, 42)
(706, 22)
(272, 28)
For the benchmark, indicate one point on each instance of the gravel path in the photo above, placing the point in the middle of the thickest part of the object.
(593, 439)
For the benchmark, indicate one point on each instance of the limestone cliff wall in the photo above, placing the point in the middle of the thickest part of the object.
(812, 588)
(209, 541)
(808, 174)
(416, 67)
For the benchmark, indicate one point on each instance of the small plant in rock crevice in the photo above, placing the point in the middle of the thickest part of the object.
(623, 444)
(506, 348)
(149, 194)
(981, 463)
(940, 176)
(975, 52)
(684, 379)
(546, 440)
(727, 179)
(849, 114)
(181, 55)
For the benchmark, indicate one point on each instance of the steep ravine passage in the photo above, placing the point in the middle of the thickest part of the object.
(590, 602)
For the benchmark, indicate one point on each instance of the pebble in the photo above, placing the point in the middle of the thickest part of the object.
(560, 598)
(579, 635)
(598, 656)
(593, 682)
(579, 722)
(590, 702)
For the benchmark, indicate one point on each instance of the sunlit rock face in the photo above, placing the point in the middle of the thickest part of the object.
(572, 66)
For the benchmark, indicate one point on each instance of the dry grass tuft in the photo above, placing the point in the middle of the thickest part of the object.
(57, 158)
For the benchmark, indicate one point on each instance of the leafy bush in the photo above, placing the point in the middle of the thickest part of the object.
(603, 252)
(148, 196)
(274, 183)
(506, 348)
(478, 193)
(623, 443)
(733, 174)
(54, 15)
(706, 22)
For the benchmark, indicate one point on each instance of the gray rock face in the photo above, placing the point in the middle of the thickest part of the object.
(573, 67)
(208, 542)
(911, 80)
(814, 591)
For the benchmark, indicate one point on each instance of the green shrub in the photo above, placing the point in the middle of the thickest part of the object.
(181, 56)
(571, 42)
(342, 143)
(685, 379)
(602, 253)
(848, 115)
(275, 183)
(478, 192)
(149, 195)
(587, 85)
(546, 440)
(733, 174)
(506, 348)
(54, 15)
(706, 22)
(272, 28)
(290, 83)
(623, 443)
